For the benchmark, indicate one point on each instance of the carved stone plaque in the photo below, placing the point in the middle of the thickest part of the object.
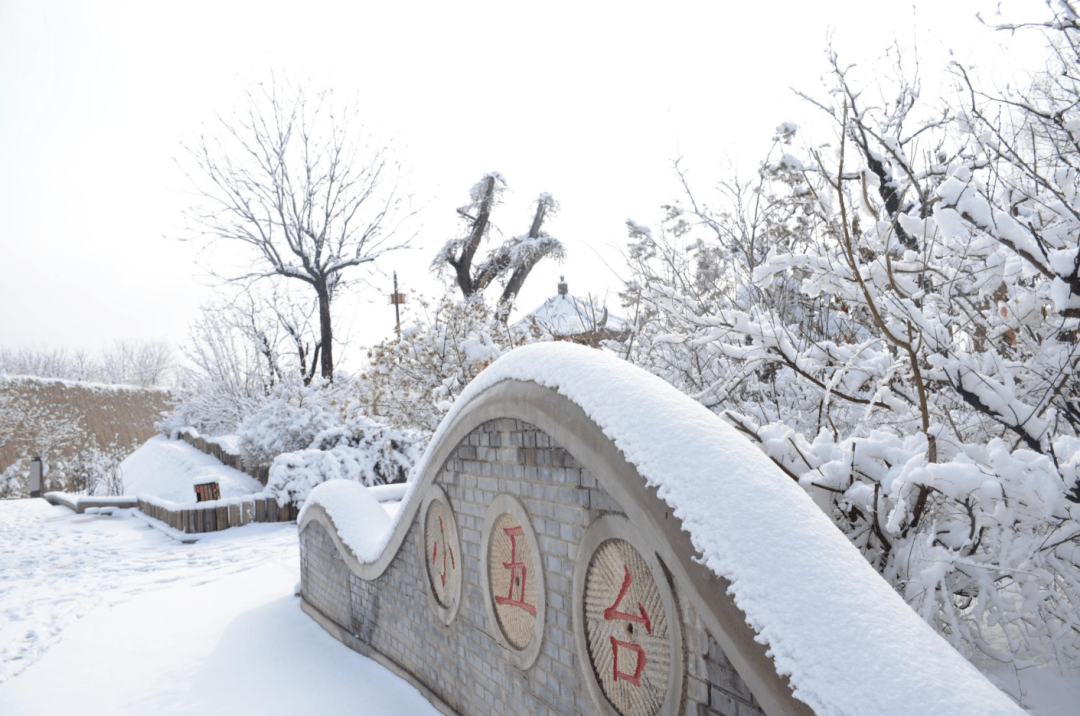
(443, 553)
(626, 630)
(513, 580)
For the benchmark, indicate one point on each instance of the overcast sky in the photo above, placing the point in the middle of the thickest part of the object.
(588, 101)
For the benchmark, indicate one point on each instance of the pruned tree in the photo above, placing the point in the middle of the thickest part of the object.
(289, 179)
(509, 262)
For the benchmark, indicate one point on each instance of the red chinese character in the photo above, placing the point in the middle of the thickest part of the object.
(642, 660)
(613, 612)
(513, 565)
(435, 554)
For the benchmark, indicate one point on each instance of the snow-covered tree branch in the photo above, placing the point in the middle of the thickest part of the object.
(511, 261)
(893, 316)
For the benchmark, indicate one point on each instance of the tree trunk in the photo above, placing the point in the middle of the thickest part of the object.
(326, 331)
(517, 278)
(463, 266)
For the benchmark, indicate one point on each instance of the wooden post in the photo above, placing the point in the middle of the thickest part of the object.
(397, 299)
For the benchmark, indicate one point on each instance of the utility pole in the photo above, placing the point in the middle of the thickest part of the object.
(397, 299)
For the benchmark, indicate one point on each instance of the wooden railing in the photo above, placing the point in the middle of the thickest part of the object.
(218, 514)
(259, 472)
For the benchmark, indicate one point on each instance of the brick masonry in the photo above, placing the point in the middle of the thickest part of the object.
(463, 663)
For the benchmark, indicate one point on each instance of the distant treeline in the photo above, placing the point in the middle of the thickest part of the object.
(142, 363)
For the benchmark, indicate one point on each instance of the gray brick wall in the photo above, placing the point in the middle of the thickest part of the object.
(462, 663)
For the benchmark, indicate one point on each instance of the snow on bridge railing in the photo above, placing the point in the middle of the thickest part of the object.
(808, 623)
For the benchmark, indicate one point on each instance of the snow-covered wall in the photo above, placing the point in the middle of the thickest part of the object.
(121, 413)
(582, 538)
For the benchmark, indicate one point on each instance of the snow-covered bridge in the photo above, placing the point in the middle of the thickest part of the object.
(582, 538)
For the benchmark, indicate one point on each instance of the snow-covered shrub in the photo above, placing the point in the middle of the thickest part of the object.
(14, 480)
(96, 471)
(29, 429)
(224, 382)
(363, 450)
(412, 382)
(291, 419)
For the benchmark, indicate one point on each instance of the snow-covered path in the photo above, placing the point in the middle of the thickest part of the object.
(56, 566)
(104, 615)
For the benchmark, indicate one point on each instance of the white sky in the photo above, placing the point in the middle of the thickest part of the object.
(590, 102)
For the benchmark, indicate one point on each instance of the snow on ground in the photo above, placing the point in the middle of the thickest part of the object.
(169, 470)
(105, 615)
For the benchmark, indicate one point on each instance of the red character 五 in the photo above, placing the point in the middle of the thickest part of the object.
(514, 566)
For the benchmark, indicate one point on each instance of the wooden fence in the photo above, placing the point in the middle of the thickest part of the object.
(259, 472)
(219, 514)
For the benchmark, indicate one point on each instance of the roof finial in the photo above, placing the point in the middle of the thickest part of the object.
(562, 285)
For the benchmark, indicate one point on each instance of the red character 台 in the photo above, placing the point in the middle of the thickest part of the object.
(642, 660)
(612, 613)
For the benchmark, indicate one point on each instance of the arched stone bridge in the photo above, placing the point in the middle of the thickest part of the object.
(580, 538)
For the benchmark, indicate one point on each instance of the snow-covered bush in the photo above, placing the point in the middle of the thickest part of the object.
(291, 419)
(96, 471)
(894, 318)
(241, 348)
(15, 480)
(224, 382)
(412, 382)
(363, 450)
(29, 429)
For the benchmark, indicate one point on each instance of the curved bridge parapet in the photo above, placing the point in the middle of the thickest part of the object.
(580, 538)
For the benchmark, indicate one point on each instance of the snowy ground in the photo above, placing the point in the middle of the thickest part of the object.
(105, 615)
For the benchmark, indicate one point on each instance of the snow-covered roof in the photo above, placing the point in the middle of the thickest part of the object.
(848, 643)
(567, 315)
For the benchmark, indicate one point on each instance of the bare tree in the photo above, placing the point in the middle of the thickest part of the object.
(136, 362)
(289, 178)
(224, 379)
(279, 327)
(144, 362)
